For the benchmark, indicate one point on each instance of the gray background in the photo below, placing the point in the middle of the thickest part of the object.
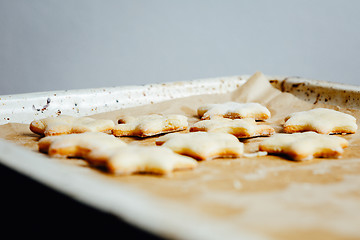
(59, 45)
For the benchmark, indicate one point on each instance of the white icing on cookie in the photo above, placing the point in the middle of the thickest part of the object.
(146, 159)
(305, 146)
(78, 145)
(321, 120)
(149, 125)
(240, 128)
(203, 145)
(234, 110)
(64, 124)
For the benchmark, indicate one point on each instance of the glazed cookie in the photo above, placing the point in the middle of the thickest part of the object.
(78, 145)
(149, 125)
(304, 146)
(240, 128)
(64, 124)
(233, 110)
(109, 152)
(143, 159)
(321, 120)
(203, 145)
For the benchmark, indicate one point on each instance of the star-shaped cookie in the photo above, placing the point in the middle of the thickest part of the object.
(64, 124)
(320, 120)
(149, 125)
(240, 128)
(78, 145)
(233, 110)
(304, 146)
(109, 152)
(145, 159)
(203, 145)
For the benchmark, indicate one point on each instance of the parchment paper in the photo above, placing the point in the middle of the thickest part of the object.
(270, 195)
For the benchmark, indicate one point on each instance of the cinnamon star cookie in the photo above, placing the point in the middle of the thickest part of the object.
(64, 124)
(234, 110)
(203, 145)
(149, 125)
(304, 146)
(320, 120)
(240, 128)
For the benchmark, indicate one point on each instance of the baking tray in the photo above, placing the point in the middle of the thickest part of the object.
(167, 219)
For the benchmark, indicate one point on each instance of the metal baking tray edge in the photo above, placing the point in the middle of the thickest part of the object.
(23, 108)
(120, 200)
